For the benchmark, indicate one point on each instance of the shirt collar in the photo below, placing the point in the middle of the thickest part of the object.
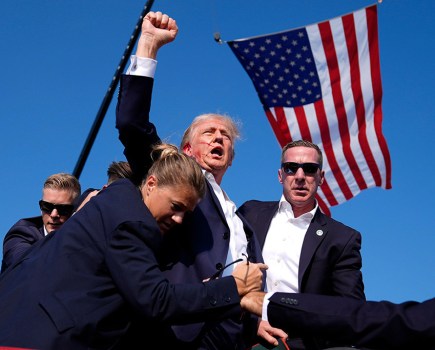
(209, 176)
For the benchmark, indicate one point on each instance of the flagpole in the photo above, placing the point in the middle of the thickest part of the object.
(109, 94)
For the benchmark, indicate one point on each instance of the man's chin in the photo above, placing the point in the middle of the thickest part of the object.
(52, 228)
(299, 200)
(217, 165)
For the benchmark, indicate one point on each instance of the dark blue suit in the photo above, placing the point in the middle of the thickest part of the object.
(330, 262)
(20, 237)
(200, 246)
(26, 232)
(376, 325)
(82, 286)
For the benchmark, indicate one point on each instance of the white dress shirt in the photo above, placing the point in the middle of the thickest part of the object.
(238, 241)
(282, 248)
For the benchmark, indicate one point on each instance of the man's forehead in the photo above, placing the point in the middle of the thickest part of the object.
(301, 151)
(214, 124)
(57, 193)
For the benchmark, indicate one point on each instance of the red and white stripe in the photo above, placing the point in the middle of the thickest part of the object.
(347, 122)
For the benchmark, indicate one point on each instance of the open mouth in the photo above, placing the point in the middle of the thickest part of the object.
(217, 151)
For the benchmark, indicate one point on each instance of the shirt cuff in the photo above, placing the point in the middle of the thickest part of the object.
(142, 66)
(265, 305)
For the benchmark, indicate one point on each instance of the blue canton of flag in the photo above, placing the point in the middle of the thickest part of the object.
(281, 67)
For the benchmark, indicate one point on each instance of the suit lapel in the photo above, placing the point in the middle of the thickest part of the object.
(213, 205)
(316, 233)
(264, 218)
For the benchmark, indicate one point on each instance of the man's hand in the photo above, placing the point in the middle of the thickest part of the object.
(253, 302)
(158, 29)
(248, 277)
(269, 333)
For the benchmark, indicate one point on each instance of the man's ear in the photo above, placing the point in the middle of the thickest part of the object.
(187, 149)
(322, 177)
(280, 176)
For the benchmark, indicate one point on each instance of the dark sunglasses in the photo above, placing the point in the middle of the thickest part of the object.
(291, 167)
(62, 209)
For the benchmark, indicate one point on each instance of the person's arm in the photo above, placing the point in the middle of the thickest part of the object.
(256, 303)
(379, 325)
(137, 274)
(18, 241)
(136, 132)
(347, 278)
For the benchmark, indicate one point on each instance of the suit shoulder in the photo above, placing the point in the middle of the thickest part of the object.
(338, 226)
(253, 203)
(27, 225)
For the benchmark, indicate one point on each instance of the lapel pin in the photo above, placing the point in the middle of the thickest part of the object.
(319, 233)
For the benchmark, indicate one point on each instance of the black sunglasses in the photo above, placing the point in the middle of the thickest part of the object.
(291, 167)
(62, 209)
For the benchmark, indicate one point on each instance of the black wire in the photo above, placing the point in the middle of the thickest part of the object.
(109, 94)
(219, 271)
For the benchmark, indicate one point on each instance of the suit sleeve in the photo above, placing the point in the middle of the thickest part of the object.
(17, 241)
(136, 132)
(134, 268)
(347, 275)
(379, 325)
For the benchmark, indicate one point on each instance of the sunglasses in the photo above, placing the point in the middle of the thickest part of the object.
(291, 168)
(62, 209)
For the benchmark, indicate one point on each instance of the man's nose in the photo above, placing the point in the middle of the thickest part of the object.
(218, 137)
(299, 174)
(54, 213)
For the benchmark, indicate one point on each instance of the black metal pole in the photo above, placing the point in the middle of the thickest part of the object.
(109, 94)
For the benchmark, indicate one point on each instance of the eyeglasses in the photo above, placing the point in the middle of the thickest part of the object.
(62, 209)
(220, 268)
(291, 168)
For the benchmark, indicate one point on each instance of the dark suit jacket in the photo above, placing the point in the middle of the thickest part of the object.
(376, 325)
(26, 232)
(20, 237)
(200, 246)
(83, 285)
(330, 262)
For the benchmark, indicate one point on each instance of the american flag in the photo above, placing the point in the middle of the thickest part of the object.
(322, 83)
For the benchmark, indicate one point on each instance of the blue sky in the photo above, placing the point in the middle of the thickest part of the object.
(58, 58)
